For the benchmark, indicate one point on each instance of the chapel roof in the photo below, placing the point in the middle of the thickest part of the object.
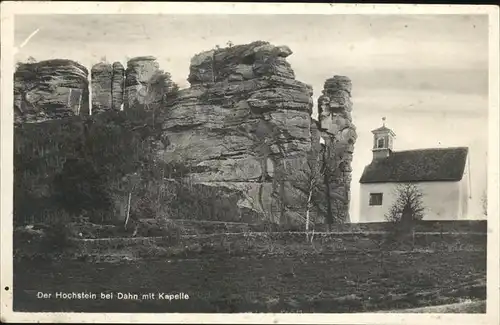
(422, 165)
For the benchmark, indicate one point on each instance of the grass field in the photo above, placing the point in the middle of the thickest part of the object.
(340, 282)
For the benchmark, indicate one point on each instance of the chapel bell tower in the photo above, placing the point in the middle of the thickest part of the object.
(383, 139)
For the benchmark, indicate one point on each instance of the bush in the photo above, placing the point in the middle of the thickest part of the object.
(265, 226)
(48, 241)
(268, 226)
(58, 238)
(171, 231)
(27, 242)
(151, 250)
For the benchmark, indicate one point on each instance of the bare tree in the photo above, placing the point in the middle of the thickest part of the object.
(407, 209)
(326, 182)
(408, 206)
(314, 177)
(132, 180)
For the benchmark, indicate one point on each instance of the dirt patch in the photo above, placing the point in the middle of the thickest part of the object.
(337, 282)
(468, 307)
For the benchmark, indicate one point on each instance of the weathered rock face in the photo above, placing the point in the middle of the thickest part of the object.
(107, 87)
(137, 76)
(117, 84)
(241, 63)
(339, 133)
(101, 81)
(50, 89)
(243, 129)
(245, 125)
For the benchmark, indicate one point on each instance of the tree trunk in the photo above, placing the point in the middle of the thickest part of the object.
(412, 238)
(160, 192)
(308, 213)
(329, 216)
(128, 209)
(146, 99)
(282, 203)
(382, 260)
(261, 187)
(213, 66)
(282, 174)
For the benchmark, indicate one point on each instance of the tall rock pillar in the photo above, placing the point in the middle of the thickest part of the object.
(339, 133)
(101, 75)
(139, 72)
(117, 85)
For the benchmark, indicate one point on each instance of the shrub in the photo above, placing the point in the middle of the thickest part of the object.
(160, 227)
(58, 238)
(48, 241)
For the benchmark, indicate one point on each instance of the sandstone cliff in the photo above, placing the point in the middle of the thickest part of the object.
(50, 89)
(101, 81)
(117, 85)
(245, 124)
(107, 87)
(137, 76)
(241, 136)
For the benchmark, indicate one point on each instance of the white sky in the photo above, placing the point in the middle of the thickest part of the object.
(427, 74)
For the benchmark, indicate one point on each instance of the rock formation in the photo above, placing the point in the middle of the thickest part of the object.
(117, 85)
(339, 133)
(244, 124)
(101, 81)
(50, 89)
(242, 132)
(139, 72)
(107, 87)
(60, 84)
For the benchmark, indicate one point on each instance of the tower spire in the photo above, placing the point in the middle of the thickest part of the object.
(382, 141)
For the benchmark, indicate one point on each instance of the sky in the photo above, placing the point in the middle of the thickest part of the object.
(427, 74)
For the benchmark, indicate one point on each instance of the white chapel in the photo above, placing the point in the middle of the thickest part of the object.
(442, 175)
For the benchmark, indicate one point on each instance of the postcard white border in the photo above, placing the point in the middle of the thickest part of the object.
(9, 9)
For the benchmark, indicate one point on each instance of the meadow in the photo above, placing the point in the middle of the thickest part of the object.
(252, 272)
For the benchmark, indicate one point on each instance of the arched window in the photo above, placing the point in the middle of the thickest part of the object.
(380, 143)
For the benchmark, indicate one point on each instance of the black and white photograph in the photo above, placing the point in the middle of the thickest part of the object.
(268, 162)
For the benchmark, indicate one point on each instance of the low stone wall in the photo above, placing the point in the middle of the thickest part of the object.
(457, 226)
(157, 227)
(187, 237)
(286, 243)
